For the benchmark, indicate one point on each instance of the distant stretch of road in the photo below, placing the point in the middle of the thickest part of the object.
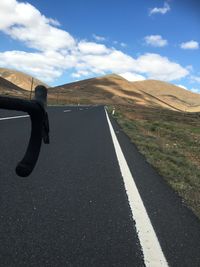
(91, 201)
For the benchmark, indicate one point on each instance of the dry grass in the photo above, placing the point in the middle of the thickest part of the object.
(113, 89)
(20, 79)
(170, 142)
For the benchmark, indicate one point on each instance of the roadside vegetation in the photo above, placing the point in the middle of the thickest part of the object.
(170, 141)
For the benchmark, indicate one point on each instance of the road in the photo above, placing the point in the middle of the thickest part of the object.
(78, 207)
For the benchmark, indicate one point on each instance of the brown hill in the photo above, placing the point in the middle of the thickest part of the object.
(113, 89)
(20, 79)
(9, 89)
(170, 94)
(108, 89)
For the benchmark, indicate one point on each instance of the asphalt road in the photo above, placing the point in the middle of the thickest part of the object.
(73, 210)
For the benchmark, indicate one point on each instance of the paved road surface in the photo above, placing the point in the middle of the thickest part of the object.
(74, 210)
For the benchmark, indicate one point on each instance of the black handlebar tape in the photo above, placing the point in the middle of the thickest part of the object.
(26, 166)
(13, 103)
(41, 95)
(38, 115)
(36, 109)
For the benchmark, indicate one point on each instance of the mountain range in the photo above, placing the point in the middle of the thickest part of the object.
(113, 89)
(108, 90)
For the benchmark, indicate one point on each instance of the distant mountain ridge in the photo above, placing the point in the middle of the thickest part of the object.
(107, 90)
(9, 89)
(114, 89)
(169, 94)
(20, 79)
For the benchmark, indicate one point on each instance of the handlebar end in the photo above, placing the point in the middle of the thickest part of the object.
(41, 95)
(23, 170)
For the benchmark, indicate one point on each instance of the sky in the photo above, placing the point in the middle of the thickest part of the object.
(64, 41)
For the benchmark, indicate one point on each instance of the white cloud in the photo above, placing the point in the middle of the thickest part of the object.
(160, 10)
(190, 68)
(25, 23)
(57, 51)
(190, 45)
(50, 65)
(80, 74)
(155, 40)
(195, 90)
(195, 79)
(99, 38)
(92, 48)
(161, 68)
(111, 61)
(182, 86)
(153, 66)
(45, 66)
(54, 22)
(132, 77)
(123, 44)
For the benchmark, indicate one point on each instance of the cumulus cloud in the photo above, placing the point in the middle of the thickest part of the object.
(25, 23)
(195, 79)
(182, 86)
(151, 65)
(160, 10)
(155, 40)
(190, 45)
(46, 66)
(92, 48)
(99, 38)
(161, 68)
(56, 51)
(132, 77)
(123, 44)
(80, 73)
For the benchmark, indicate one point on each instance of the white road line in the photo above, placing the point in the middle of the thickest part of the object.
(16, 117)
(152, 251)
(67, 110)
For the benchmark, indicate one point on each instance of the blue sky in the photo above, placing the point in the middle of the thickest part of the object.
(63, 41)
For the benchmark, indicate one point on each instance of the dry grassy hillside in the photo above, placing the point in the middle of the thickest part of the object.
(20, 79)
(9, 89)
(173, 95)
(113, 89)
(108, 89)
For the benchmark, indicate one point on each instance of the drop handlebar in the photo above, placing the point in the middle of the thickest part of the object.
(39, 126)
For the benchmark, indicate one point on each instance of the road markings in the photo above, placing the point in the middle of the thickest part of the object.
(68, 110)
(16, 117)
(152, 251)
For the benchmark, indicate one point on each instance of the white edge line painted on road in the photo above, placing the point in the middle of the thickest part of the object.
(67, 111)
(16, 117)
(152, 251)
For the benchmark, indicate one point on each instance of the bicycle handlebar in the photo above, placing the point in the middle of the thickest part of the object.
(39, 126)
